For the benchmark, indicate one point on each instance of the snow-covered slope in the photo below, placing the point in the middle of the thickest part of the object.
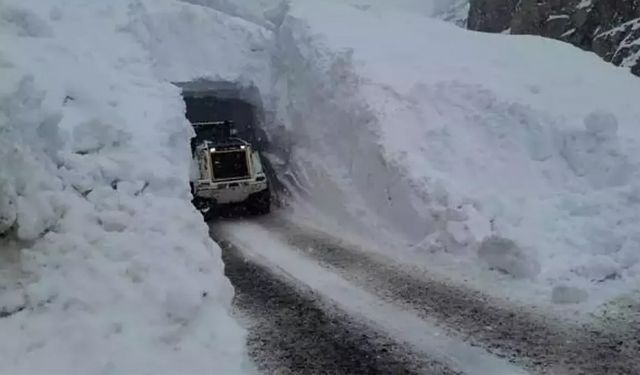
(515, 153)
(105, 266)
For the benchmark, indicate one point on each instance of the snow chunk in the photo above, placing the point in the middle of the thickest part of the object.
(94, 135)
(584, 4)
(603, 125)
(36, 214)
(599, 268)
(563, 294)
(505, 255)
(28, 148)
(251, 11)
(594, 153)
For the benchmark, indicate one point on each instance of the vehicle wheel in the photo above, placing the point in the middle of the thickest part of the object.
(206, 207)
(209, 213)
(259, 203)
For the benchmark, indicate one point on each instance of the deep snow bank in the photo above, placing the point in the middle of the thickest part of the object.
(189, 42)
(518, 153)
(106, 267)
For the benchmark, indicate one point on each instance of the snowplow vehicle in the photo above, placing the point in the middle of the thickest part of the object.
(230, 171)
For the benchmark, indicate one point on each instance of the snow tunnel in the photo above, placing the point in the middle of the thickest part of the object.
(208, 100)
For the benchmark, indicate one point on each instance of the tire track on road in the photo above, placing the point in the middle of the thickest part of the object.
(293, 331)
(539, 343)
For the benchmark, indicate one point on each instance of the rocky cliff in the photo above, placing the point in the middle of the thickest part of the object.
(610, 28)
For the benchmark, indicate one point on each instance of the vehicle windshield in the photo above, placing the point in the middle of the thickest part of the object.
(229, 164)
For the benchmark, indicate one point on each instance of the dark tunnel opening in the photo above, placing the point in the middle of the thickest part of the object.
(207, 100)
(211, 108)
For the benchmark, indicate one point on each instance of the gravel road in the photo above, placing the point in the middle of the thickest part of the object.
(291, 331)
(294, 328)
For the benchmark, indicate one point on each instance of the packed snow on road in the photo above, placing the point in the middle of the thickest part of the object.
(508, 164)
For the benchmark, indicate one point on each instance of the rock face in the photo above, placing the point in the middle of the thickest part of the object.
(491, 15)
(454, 11)
(610, 28)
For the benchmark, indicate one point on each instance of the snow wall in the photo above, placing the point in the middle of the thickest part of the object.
(472, 152)
(105, 267)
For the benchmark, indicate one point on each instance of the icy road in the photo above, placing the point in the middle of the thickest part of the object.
(316, 304)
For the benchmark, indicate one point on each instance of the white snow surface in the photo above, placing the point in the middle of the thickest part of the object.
(439, 139)
(471, 152)
(105, 266)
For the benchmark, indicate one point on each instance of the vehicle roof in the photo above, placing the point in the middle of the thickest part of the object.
(229, 142)
(212, 123)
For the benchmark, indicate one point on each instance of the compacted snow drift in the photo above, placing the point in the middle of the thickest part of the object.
(105, 267)
(512, 160)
